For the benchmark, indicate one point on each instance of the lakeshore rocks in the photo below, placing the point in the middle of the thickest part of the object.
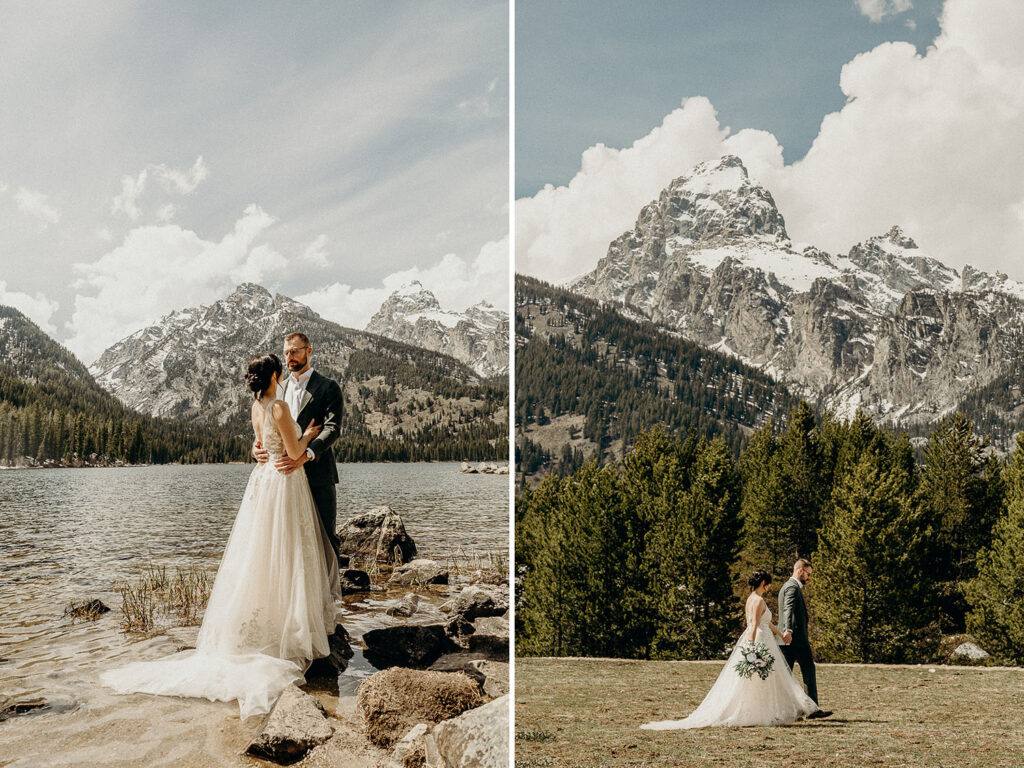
(336, 661)
(410, 751)
(479, 600)
(395, 700)
(353, 580)
(295, 724)
(405, 607)
(406, 645)
(475, 739)
(496, 677)
(488, 576)
(88, 610)
(419, 571)
(380, 533)
(490, 637)
(462, 661)
(486, 468)
(459, 630)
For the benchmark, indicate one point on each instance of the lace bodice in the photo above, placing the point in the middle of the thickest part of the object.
(272, 440)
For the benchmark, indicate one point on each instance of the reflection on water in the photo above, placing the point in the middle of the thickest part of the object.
(68, 534)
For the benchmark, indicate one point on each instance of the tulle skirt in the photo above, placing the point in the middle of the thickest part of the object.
(273, 604)
(737, 701)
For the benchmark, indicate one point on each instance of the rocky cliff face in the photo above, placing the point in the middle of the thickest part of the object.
(191, 365)
(478, 337)
(885, 327)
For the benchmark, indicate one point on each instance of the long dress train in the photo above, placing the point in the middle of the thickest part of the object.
(735, 701)
(273, 604)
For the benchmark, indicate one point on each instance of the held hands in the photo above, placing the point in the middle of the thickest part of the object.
(787, 636)
(311, 431)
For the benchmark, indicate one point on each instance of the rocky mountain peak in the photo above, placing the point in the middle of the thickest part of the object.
(477, 337)
(719, 200)
(896, 237)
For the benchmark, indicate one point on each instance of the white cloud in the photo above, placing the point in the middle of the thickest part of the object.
(131, 189)
(38, 308)
(182, 182)
(316, 253)
(159, 269)
(171, 179)
(876, 10)
(927, 141)
(165, 213)
(36, 204)
(104, 234)
(456, 282)
(562, 232)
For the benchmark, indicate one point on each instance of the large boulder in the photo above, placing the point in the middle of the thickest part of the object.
(475, 739)
(406, 645)
(380, 534)
(295, 724)
(394, 701)
(419, 571)
(479, 600)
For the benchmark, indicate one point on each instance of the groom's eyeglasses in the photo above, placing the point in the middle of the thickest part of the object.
(293, 352)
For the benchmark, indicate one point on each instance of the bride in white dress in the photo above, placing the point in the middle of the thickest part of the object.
(734, 700)
(275, 598)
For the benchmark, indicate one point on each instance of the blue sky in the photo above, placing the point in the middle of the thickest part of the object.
(590, 71)
(856, 115)
(152, 155)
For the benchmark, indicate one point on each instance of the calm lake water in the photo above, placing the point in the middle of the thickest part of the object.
(68, 534)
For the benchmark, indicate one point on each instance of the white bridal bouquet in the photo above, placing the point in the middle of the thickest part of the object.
(755, 659)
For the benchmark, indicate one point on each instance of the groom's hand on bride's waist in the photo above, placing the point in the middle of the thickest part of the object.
(288, 465)
(261, 454)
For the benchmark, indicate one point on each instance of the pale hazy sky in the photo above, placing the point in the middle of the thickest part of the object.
(152, 156)
(855, 114)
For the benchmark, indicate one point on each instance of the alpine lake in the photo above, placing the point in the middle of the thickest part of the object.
(74, 534)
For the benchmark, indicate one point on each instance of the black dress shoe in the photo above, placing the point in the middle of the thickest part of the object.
(819, 713)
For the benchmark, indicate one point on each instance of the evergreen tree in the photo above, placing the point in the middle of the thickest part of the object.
(996, 594)
(961, 496)
(769, 534)
(870, 569)
(799, 468)
(695, 543)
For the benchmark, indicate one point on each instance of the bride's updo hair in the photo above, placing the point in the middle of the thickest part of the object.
(757, 578)
(261, 370)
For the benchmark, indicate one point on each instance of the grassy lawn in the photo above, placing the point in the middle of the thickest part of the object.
(587, 712)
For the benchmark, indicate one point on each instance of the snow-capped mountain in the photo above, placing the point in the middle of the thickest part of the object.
(191, 364)
(885, 327)
(478, 337)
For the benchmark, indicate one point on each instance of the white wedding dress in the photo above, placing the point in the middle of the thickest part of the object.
(273, 603)
(735, 701)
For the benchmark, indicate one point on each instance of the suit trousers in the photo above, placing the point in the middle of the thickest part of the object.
(325, 499)
(801, 654)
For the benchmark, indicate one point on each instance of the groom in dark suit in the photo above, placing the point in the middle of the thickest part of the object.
(793, 617)
(312, 397)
